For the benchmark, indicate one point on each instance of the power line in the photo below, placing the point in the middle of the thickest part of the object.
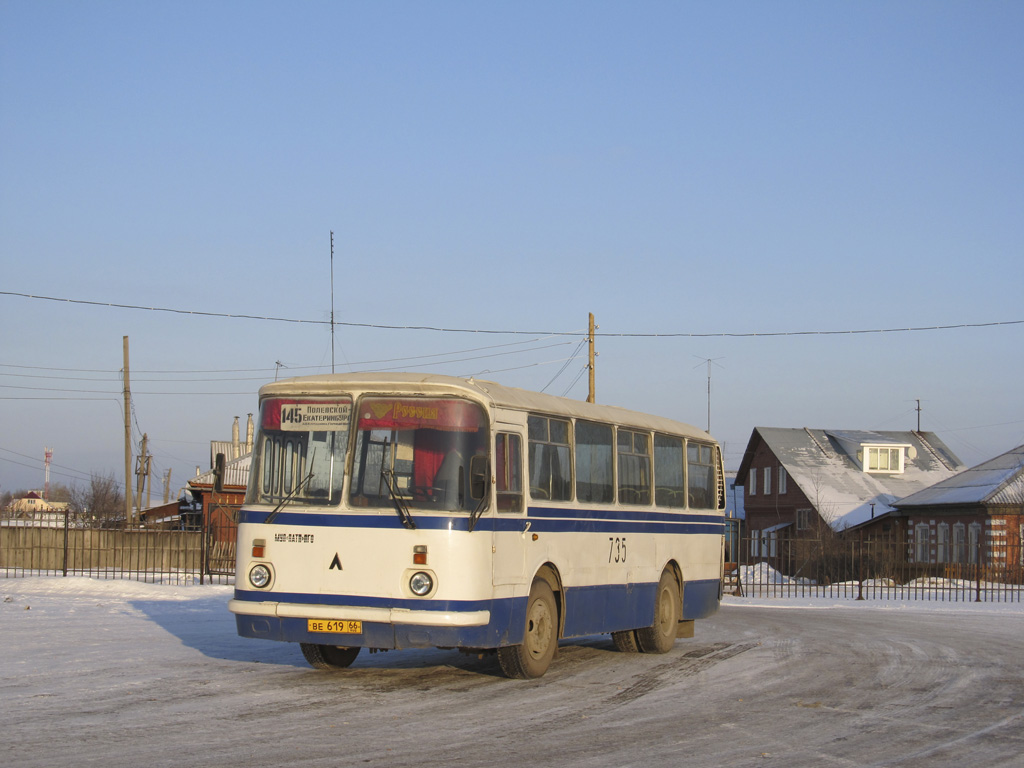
(438, 329)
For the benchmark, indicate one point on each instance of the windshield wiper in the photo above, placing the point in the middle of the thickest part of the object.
(475, 514)
(291, 494)
(403, 511)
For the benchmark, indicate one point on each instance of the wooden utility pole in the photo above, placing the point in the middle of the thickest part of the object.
(127, 439)
(590, 358)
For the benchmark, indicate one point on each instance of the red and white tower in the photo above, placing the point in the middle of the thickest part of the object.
(46, 487)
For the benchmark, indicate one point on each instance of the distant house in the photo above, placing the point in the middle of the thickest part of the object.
(797, 482)
(219, 508)
(32, 506)
(974, 517)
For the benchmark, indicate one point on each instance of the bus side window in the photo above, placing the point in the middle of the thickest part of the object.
(700, 475)
(550, 462)
(669, 471)
(508, 471)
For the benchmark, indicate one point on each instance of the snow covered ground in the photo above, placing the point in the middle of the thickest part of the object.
(120, 673)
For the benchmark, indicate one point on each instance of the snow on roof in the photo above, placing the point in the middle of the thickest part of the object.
(825, 466)
(996, 481)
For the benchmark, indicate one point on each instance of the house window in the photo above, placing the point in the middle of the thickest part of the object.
(974, 543)
(942, 543)
(959, 543)
(752, 482)
(803, 519)
(883, 458)
(767, 481)
(921, 542)
(755, 543)
(782, 480)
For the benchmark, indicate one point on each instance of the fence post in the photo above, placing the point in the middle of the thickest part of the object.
(860, 568)
(65, 562)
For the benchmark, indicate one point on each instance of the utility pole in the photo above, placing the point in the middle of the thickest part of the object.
(127, 439)
(919, 415)
(167, 486)
(142, 467)
(332, 301)
(591, 397)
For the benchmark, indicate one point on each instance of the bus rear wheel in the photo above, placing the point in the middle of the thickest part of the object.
(328, 656)
(533, 657)
(661, 635)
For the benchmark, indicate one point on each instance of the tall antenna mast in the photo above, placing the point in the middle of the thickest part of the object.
(709, 361)
(48, 453)
(332, 301)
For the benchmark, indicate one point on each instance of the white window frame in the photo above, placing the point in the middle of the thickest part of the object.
(782, 481)
(974, 543)
(752, 482)
(803, 519)
(942, 543)
(870, 458)
(922, 543)
(767, 481)
(755, 543)
(959, 543)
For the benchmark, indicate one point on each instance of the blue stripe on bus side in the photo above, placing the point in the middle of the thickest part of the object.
(549, 519)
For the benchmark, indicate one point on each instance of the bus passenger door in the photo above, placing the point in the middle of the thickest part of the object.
(508, 544)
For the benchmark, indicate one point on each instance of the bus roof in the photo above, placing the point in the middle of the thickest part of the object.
(487, 392)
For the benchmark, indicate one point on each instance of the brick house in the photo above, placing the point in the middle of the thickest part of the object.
(975, 517)
(797, 482)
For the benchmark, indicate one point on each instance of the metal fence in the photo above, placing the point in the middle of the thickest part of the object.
(205, 555)
(871, 570)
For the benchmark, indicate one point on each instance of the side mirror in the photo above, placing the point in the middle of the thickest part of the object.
(478, 477)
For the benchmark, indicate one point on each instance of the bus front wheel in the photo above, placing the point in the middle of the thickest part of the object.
(661, 635)
(328, 656)
(533, 657)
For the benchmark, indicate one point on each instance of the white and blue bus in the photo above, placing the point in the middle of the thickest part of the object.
(389, 511)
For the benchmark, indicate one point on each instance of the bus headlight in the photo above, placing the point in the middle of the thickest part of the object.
(421, 583)
(259, 576)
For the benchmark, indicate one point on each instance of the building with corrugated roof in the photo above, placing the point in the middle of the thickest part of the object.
(798, 481)
(974, 517)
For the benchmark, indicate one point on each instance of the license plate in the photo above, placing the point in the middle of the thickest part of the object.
(342, 627)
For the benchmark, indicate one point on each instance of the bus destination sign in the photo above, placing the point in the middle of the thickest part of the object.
(307, 417)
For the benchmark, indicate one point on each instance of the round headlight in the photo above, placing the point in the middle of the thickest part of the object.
(421, 583)
(259, 576)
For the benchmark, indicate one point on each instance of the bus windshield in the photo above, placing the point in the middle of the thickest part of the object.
(300, 452)
(423, 449)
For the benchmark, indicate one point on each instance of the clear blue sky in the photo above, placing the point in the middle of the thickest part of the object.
(672, 167)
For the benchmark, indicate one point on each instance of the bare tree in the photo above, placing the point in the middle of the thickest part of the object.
(100, 504)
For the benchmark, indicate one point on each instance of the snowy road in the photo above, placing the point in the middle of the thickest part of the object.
(117, 673)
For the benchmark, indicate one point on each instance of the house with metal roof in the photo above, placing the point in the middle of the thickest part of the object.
(799, 481)
(974, 517)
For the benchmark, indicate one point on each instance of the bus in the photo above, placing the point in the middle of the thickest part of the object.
(396, 511)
